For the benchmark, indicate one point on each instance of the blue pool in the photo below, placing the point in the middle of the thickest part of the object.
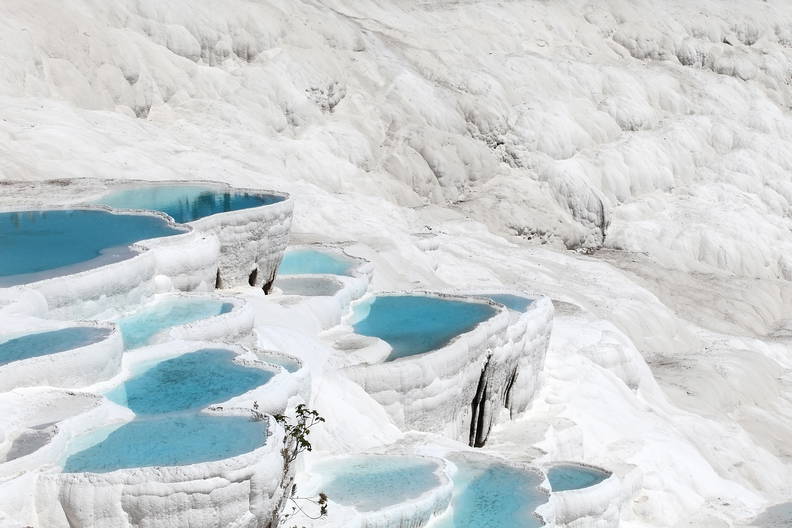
(491, 494)
(370, 483)
(44, 343)
(565, 477)
(188, 382)
(185, 203)
(307, 261)
(141, 326)
(414, 324)
(170, 441)
(516, 303)
(36, 245)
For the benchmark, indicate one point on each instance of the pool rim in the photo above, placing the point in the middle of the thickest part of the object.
(441, 471)
(359, 266)
(545, 468)
(452, 296)
(136, 249)
(117, 185)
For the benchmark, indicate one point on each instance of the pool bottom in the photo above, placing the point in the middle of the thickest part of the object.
(374, 482)
(138, 328)
(190, 381)
(492, 494)
(566, 477)
(170, 441)
(415, 324)
(45, 343)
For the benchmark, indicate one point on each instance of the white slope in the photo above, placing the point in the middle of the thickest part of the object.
(511, 131)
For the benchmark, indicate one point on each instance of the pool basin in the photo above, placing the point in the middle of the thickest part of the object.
(186, 203)
(310, 261)
(37, 245)
(173, 440)
(141, 327)
(190, 381)
(415, 324)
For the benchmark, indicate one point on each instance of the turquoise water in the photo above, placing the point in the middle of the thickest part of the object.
(188, 382)
(170, 441)
(307, 261)
(141, 326)
(516, 303)
(44, 343)
(370, 483)
(414, 324)
(490, 494)
(565, 477)
(36, 245)
(185, 203)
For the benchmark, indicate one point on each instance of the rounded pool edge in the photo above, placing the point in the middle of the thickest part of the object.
(76, 367)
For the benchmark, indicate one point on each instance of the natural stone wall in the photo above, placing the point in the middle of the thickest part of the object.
(460, 389)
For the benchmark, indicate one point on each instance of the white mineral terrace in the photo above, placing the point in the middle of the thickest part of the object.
(530, 260)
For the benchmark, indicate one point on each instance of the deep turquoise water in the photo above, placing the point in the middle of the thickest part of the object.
(516, 303)
(36, 245)
(564, 477)
(188, 382)
(185, 203)
(306, 261)
(170, 441)
(141, 326)
(370, 483)
(414, 324)
(490, 494)
(43, 343)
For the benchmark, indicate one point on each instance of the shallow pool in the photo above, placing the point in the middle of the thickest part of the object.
(414, 324)
(492, 494)
(308, 286)
(185, 203)
(515, 303)
(44, 343)
(188, 382)
(374, 482)
(170, 441)
(313, 261)
(36, 245)
(565, 477)
(141, 326)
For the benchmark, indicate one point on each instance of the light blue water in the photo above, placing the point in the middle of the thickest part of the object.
(564, 477)
(491, 494)
(35, 245)
(44, 343)
(141, 326)
(414, 324)
(185, 203)
(370, 483)
(306, 261)
(516, 303)
(188, 382)
(170, 441)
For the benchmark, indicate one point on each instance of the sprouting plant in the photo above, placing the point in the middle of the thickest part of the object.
(295, 441)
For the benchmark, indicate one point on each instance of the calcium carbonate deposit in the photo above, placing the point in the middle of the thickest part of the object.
(528, 260)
